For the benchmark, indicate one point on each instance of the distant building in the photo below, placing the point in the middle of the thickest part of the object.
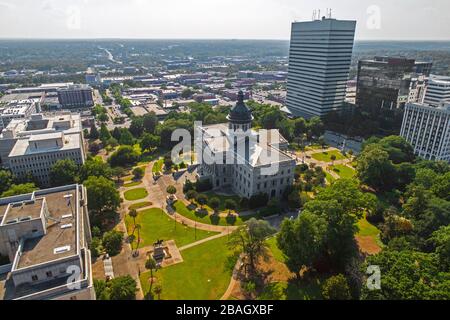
(46, 87)
(33, 146)
(438, 90)
(93, 79)
(427, 128)
(390, 82)
(76, 96)
(46, 235)
(236, 157)
(232, 94)
(16, 110)
(319, 64)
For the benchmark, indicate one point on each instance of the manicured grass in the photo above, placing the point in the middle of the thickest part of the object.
(223, 199)
(181, 208)
(330, 178)
(305, 290)
(276, 252)
(203, 275)
(140, 205)
(156, 225)
(135, 194)
(157, 167)
(326, 156)
(344, 171)
(132, 184)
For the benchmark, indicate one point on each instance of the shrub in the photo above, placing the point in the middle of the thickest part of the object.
(112, 242)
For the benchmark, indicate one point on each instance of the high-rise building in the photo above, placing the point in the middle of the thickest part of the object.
(76, 96)
(427, 129)
(390, 82)
(319, 63)
(438, 90)
(45, 235)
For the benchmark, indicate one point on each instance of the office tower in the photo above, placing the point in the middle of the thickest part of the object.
(390, 82)
(427, 128)
(319, 62)
(438, 90)
(33, 146)
(76, 96)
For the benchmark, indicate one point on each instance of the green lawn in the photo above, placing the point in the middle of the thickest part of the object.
(343, 171)
(140, 205)
(330, 178)
(366, 229)
(181, 208)
(135, 194)
(305, 290)
(223, 199)
(156, 225)
(204, 274)
(132, 184)
(276, 252)
(157, 167)
(326, 156)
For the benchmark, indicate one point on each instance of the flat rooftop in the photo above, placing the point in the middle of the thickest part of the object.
(22, 147)
(60, 241)
(24, 209)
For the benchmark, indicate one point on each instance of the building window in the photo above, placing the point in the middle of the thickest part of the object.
(49, 274)
(34, 277)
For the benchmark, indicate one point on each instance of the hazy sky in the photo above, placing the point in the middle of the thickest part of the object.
(229, 19)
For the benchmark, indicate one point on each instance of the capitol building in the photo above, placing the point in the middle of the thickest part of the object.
(249, 162)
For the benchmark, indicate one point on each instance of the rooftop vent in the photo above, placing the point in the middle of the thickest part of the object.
(11, 221)
(24, 219)
(66, 226)
(61, 250)
(66, 216)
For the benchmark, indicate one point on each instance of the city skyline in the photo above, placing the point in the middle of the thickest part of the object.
(199, 19)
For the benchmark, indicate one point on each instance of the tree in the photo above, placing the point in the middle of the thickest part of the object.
(149, 141)
(94, 134)
(138, 173)
(171, 190)
(336, 288)
(251, 239)
(6, 180)
(322, 142)
(116, 133)
(441, 241)
(150, 122)
(187, 93)
(408, 275)
(191, 195)
(333, 158)
(95, 167)
(302, 240)
(94, 148)
(112, 242)
(168, 163)
(375, 169)
(158, 291)
(101, 290)
(126, 138)
(105, 135)
(63, 172)
(137, 126)
(124, 156)
(214, 203)
(133, 214)
(151, 265)
(18, 189)
(202, 199)
(230, 204)
(102, 194)
(123, 288)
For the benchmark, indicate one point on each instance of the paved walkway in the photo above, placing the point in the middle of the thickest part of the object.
(109, 270)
